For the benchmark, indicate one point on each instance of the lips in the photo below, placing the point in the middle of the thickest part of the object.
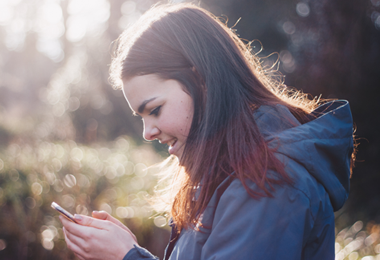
(172, 146)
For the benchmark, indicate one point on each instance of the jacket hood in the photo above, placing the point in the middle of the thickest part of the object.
(323, 145)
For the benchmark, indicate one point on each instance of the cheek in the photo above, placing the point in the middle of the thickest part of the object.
(179, 125)
(186, 124)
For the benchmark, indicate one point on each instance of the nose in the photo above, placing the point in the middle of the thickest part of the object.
(151, 131)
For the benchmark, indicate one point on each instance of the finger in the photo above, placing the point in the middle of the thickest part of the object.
(101, 215)
(80, 231)
(91, 222)
(68, 225)
(80, 257)
(65, 222)
(106, 216)
(73, 238)
(72, 245)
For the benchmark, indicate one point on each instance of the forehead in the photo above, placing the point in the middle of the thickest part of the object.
(140, 85)
(140, 88)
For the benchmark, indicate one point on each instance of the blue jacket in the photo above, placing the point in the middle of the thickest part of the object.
(298, 222)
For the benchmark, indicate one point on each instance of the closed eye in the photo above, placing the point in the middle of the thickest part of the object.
(155, 111)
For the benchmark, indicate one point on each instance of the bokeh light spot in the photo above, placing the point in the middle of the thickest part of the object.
(3, 244)
(120, 169)
(136, 183)
(287, 60)
(58, 186)
(377, 22)
(353, 256)
(6, 14)
(160, 221)
(57, 164)
(140, 170)
(14, 175)
(303, 9)
(76, 153)
(81, 209)
(110, 172)
(377, 249)
(30, 202)
(74, 104)
(369, 257)
(36, 188)
(70, 180)
(129, 167)
(131, 212)
(375, 2)
(47, 234)
(357, 226)
(105, 207)
(122, 143)
(51, 12)
(122, 212)
(48, 244)
(128, 7)
(83, 181)
(289, 27)
(76, 29)
(68, 201)
(30, 236)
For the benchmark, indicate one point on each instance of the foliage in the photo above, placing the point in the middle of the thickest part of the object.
(354, 243)
(111, 176)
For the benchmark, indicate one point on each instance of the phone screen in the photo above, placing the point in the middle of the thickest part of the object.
(63, 212)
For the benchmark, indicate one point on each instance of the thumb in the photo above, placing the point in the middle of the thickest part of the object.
(101, 215)
(89, 221)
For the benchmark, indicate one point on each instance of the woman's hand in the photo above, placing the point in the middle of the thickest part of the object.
(105, 216)
(98, 238)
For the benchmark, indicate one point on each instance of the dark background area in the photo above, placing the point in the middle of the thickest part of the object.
(336, 51)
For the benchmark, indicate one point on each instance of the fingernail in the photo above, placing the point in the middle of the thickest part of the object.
(95, 211)
(78, 217)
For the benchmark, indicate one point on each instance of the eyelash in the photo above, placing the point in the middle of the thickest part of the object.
(155, 111)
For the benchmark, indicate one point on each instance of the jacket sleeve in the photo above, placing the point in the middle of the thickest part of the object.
(139, 253)
(265, 228)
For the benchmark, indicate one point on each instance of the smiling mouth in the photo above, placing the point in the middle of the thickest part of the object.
(171, 146)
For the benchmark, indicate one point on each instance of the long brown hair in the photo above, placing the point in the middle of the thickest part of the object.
(227, 83)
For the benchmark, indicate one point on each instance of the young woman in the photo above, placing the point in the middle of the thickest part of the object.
(259, 172)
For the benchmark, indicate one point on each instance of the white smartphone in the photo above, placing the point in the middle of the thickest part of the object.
(63, 212)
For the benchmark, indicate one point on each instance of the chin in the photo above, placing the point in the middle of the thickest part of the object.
(179, 159)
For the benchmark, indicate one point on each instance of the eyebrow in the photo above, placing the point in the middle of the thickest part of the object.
(143, 104)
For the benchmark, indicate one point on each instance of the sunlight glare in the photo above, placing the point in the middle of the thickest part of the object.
(15, 35)
(76, 28)
(86, 16)
(128, 7)
(6, 14)
(51, 12)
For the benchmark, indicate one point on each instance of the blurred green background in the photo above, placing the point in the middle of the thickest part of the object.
(67, 136)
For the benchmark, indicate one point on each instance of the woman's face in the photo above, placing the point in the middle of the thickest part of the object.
(166, 109)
